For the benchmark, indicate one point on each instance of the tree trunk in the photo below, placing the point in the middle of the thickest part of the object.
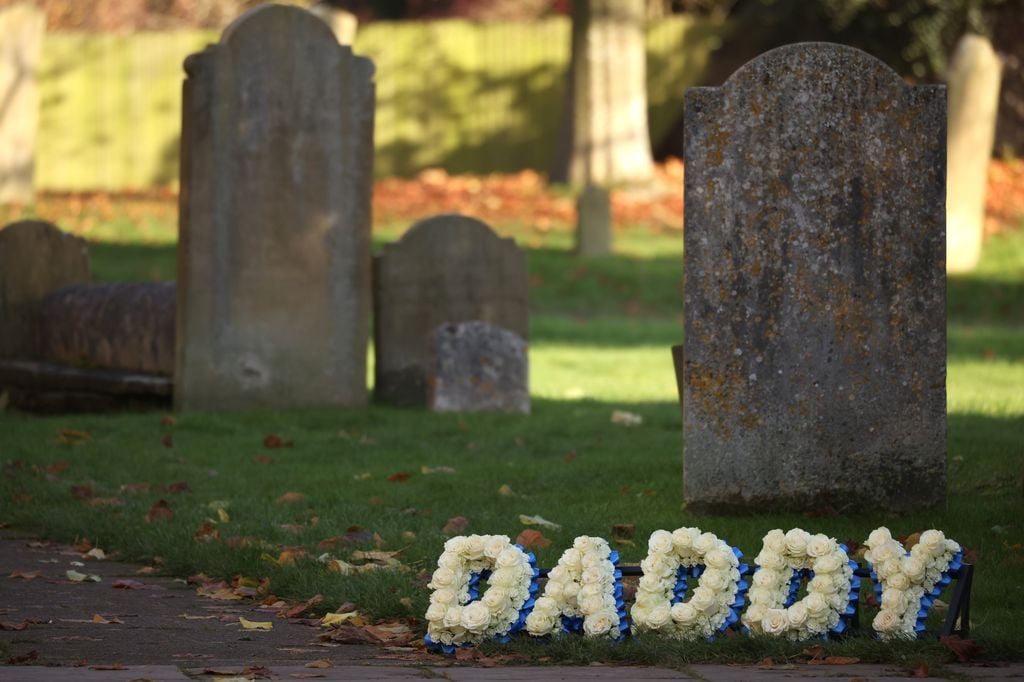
(604, 135)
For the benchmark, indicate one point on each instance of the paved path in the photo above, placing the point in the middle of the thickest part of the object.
(167, 632)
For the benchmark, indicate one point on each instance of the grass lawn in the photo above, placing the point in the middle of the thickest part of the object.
(600, 337)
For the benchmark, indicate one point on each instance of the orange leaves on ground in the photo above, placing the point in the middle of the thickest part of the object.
(101, 620)
(290, 497)
(81, 492)
(455, 525)
(135, 488)
(816, 655)
(126, 584)
(263, 459)
(72, 436)
(964, 649)
(298, 609)
(399, 477)
(160, 511)
(24, 575)
(532, 539)
(272, 442)
(207, 532)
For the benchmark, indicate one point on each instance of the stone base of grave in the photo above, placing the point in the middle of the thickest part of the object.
(51, 389)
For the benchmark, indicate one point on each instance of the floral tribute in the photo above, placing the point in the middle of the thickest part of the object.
(832, 590)
(672, 558)
(583, 592)
(908, 583)
(458, 614)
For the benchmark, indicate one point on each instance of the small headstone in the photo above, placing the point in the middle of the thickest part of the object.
(974, 77)
(594, 226)
(21, 40)
(446, 269)
(36, 259)
(274, 248)
(815, 346)
(478, 367)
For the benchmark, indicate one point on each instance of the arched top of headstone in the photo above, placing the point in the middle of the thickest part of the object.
(276, 17)
(435, 227)
(813, 62)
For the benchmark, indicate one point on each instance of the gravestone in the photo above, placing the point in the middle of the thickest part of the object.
(21, 40)
(974, 76)
(477, 367)
(445, 270)
(815, 345)
(274, 244)
(594, 222)
(36, 259)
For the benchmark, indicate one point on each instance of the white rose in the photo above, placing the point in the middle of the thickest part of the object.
(509, 558)
(796, 542)
(591, 604)
(474, 549)
(933, 541)
(714, 580)
(539, 624)
(660, 542)
(583, 544)
(443, 577)
(771, 560)
(443, 596)
(546, 605)
(590, 591)
(952, 547)
(453, 616)
(640, 614)
(913, 568)
(558, 574)
(496, 599)
(879, 537)
(494, 546)
(766, 577)
(797, 614)
(704, 600)
(571, 559)
(717, 558)
(571, 590)
(659, 617)
(886, 621)
(888, 567)
(775, 541)
(829, 563)
(754, 615)
(820, 545)
(898, 581)
(775, 622)
(436, 611)
(684, 613)
(600, 623)
(705, 542)
(593, 575)
(760, 595)
(821, 583)
(503, 578)
(476, 617)
(659, 566)
(886, 552)
(456, 545)
(683, 538)
(554, 589)
(816, 604)
(450, 560)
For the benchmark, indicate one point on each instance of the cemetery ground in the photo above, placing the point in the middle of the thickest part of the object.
(257, 499)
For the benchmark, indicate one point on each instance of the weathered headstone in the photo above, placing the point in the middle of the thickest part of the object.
(21, 41)
(974, 76)
(274, 245)
(478, 367)
(815, 346)
(36, 259)
(594, 222)
(444, 270)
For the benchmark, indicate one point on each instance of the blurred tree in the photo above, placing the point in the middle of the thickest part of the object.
(604, 136)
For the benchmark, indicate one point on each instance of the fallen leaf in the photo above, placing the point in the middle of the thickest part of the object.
(104, 501)
(361, 477)
(538, 521)
(263, 459)
(255, 625)
(126, 584)
(963, 649)
(570, 456)
(360, 555)
(167, 440)
(146, 570)
(505, 490)
(168, 420)
(14, 626)
(391, 633)
(71, 436)
(83, 546)
(921, 671)
(468, 654)
(75, 576)
(336, 619)
(455, 525)
(160, 510)
(623, 418)
(24, 575)
(623, 532)
(399, 477)
(188, 617)
(81, 492)
(112, 666)
(96, 553)
(532, 539)
(766, 662)
(376, 500)
(406, 602)
(179, 487)
(841, 660)
(100, 620)
(222, 515)
(135, 488)
(425, 470)
(57, 468)
(272, 442)
(24, 658)
(294, 611)
(306, 676)
(207, 532)
(348, 634)
(319, 663)
(408, 536)
(290, 498)
(815, 653)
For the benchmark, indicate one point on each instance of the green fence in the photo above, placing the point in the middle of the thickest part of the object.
(468, 97)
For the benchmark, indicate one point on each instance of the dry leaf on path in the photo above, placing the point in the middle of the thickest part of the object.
(24, 575)
(96, 553)
(319, 663)
(255, 625)
(336, 619)
(100, 620)
(76, 577)
(14, 626)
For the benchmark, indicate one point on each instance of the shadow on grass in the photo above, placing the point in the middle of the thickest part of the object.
(115, 262)
(983, 300)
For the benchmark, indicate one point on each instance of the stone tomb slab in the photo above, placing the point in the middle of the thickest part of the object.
(274, 247)
(815, 346)
(445, 270)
